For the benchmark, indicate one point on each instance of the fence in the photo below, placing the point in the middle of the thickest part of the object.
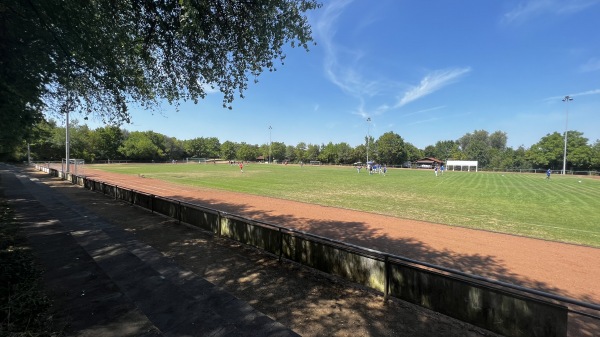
(500, 307)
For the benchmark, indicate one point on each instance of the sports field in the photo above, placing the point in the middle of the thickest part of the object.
(564, 208)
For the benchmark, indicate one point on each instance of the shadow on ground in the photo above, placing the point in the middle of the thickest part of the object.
(307, 301)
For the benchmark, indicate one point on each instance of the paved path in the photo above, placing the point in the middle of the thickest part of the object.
(108, 283)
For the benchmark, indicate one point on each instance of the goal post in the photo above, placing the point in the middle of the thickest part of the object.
(75, 166)
(315, 162)
(197, 160)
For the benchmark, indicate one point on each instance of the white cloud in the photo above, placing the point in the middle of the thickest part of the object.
(592, 64)
(432, 83)
(533, 8)
(587, 93)
(342, 66)
(584, 93)
(325, 29)
(424, 111)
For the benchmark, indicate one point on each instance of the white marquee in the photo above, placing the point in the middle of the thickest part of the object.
(462, 163)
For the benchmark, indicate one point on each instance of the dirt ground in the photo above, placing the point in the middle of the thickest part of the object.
(313, 304)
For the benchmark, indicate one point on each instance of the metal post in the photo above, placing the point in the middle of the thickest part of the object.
(566, 99)
(368, 137)
(67, 140)
(270, 143)
(280, 244)
(386, 275)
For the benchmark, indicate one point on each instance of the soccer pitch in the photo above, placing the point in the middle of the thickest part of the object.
(564, 208)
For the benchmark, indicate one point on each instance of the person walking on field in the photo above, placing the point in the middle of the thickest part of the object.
(548, 174)
(435, 170)
(242, 167)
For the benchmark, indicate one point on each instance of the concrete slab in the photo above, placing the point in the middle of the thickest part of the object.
(107, 283)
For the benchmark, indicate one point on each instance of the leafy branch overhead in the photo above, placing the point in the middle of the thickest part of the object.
(97, 56)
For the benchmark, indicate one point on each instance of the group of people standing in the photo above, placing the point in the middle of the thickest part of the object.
(440, 169)
(373, 168)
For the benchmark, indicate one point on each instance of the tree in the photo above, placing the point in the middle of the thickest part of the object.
(213, 147)
(476, 145)
(390, 149)
(22, 73)
(247, 152)
(139, 146)
(371, 148)
(228, 150)
(312, 152)
(412, 152)
(290, 153)
(595, 158)
(328, 154)
(429, 151)
(548, 152)
(45, 141)
(106, 142)
(195, 147)
(278, 151)
(51, 55)
(359, 154)
(174, 148)
(343, 153)
(579, 153)
(301, 151)
(497, 140)
(444, 149)
(203, 147)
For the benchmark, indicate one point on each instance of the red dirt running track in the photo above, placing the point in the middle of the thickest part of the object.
(559, 268)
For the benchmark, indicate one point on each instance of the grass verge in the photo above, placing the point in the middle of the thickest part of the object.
(24, 307)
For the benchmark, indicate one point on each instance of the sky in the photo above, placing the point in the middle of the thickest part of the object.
(426, 70)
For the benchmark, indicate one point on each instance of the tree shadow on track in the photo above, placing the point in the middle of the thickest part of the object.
(359, 233)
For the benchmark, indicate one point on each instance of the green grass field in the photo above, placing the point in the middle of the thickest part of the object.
(559, 209)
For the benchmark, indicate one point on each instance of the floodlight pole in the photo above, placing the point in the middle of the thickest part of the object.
(567, 99)
(368, 137)
(67, 140)
(270, 143)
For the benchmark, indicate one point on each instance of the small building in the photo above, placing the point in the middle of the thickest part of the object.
(429, 162)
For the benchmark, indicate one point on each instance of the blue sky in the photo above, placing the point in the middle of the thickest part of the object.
(426, 70)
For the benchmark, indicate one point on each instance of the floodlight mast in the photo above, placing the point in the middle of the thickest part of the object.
(67, 141)
(270, 143)
(567, 99)
(368, 136)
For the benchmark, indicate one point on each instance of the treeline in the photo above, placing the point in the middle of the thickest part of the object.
(489, 149)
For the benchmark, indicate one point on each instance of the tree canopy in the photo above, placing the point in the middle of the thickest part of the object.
(97, 57)
(112, 143)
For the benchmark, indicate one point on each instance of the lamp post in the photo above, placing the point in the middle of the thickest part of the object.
(67, 142)
(564, 170)
(270, 143)
(368, 137)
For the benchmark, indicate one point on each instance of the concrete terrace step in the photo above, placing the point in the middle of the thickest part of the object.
(108, 283)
